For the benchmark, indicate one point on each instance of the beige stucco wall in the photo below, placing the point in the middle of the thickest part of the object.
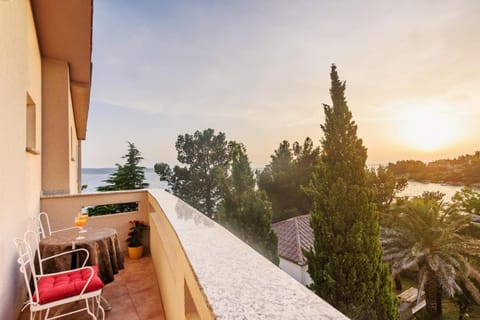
(20, 171)
(73, 147)
(60, 152)
(63, 209)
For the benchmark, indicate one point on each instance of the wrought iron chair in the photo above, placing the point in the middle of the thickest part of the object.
(55, 289)
(44, 225)
(40, 224)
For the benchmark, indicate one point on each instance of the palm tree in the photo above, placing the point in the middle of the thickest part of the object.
(425, 234)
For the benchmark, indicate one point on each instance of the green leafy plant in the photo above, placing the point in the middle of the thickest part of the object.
(136, 233)
(425, 234)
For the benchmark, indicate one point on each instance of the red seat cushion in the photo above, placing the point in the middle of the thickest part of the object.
(56, 287)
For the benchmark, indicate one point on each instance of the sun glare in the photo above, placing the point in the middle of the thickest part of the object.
(429, 130)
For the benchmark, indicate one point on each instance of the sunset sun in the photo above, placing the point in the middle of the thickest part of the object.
(428, 130)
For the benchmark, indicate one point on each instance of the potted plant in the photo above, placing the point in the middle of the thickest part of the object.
(134, 240)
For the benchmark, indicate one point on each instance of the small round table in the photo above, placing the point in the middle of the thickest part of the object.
(101, 243)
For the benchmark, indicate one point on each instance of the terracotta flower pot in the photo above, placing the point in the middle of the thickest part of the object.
(135, 252)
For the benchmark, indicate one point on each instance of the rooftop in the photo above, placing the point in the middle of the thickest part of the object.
(293, 235)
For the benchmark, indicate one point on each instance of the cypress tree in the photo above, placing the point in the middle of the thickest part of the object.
(346, 260)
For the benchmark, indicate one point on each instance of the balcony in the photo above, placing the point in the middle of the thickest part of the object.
(201, 270)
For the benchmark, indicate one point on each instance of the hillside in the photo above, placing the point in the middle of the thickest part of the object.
(464, 170)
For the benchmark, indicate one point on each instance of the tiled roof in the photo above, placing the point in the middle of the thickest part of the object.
(294, 234)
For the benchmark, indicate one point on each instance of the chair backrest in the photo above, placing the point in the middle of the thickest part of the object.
(35, 224)
(46, 230)
(27, 248)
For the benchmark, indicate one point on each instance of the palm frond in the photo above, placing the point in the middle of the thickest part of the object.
(472, 289)
(426, 233)
(395, 255)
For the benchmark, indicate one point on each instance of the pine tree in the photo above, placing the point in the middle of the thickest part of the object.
(205, 158)
(346, 261)
(245, 211)
(290, 169)
(129, 176)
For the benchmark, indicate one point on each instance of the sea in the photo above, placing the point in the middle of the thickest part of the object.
(95, 177)
(415, 188)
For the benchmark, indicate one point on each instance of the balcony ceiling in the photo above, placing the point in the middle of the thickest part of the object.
(64, 30)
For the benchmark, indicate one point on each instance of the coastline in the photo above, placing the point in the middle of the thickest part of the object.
(475, 185)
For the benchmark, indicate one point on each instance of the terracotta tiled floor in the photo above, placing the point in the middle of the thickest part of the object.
(134, 294)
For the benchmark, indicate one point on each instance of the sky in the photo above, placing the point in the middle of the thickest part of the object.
(259, 71)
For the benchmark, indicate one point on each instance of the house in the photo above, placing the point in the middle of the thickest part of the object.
(202, 270)
(294, 234)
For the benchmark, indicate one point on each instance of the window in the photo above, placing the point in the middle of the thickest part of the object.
(31, 143)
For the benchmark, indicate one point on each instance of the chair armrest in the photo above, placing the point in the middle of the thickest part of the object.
(89, 279)
(70, 252)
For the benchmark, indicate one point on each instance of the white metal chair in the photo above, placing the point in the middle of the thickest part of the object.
(44, 225)
(55, 289)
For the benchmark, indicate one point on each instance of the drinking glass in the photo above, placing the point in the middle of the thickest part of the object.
(80, 222)
(84, 217)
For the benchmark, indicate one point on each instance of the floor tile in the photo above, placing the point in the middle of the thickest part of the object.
(134, 295)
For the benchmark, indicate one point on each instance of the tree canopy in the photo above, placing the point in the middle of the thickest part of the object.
(290, 168)
(205, 158)
(384, 186)
(246, 211)
(345, 263)
(217, 180)
(468, 200)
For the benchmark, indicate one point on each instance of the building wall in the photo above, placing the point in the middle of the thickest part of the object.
(299, 273)
(20, 171)
(73, 145)
(60, 144)
(306, 279)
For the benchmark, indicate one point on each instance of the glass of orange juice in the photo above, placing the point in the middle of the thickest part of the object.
(84, 216)
(80, 221)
